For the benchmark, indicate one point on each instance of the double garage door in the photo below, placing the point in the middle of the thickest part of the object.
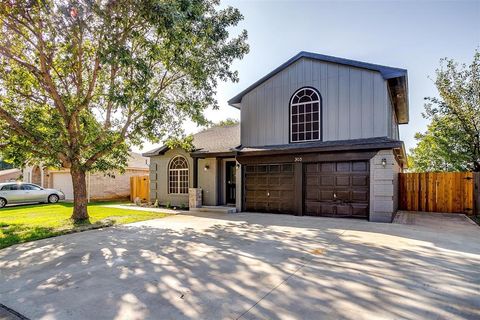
(333, 189)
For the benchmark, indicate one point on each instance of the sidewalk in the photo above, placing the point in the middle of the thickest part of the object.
(134, 207)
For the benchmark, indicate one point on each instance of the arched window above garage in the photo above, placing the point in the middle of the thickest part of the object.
(305, 115)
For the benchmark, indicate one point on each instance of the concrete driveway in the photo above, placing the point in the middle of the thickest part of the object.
(251, 266)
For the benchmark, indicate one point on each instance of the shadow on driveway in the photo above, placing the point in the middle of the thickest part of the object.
(249, 266)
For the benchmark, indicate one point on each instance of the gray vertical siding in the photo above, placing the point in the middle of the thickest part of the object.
(355, 103)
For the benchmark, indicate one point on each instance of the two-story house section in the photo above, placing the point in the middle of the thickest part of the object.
(318, 136)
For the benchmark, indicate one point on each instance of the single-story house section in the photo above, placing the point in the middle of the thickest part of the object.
(318, 136)
(211, 165)
(100, 186)
(9, 175)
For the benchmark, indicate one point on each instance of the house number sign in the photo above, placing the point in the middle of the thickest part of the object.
(298, 159)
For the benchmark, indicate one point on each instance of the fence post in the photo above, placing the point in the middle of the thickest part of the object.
(476, 194)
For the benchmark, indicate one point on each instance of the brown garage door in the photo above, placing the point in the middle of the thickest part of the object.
(269, 188)
(337, 189)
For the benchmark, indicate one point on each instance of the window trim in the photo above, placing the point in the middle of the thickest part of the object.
(320, 115)
(169, 169)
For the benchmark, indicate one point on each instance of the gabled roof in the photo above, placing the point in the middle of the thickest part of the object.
(397, 79)
(218, 139)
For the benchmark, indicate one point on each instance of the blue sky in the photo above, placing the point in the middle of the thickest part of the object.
(409, 34)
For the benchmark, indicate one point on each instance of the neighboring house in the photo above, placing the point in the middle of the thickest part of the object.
(318, 136)
(10, 175)
(100, 186)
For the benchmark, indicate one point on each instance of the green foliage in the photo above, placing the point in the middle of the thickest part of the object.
(440, 148)
(227, 122)
(4, 165)
(185, 143)
(452, 140)
(33, 222)
(81, 81)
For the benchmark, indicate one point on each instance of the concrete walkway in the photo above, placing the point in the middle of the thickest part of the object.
(250, 266)
(134, 207)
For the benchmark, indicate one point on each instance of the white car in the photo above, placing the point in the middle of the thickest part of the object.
(14, 192)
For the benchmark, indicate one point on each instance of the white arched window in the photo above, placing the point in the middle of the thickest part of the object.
(305, 116)
(178, 175)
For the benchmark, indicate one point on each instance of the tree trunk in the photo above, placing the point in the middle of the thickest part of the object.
(79, 195)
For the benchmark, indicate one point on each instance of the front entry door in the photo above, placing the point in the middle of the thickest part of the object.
(230, 182)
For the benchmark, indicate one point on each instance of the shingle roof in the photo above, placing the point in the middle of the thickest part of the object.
(213, 140)
(136, 160)
(387, 72)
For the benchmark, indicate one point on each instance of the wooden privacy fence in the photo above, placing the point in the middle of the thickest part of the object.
(438, 192)
(139, 188)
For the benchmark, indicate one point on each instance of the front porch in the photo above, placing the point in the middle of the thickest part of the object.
(215, 184)
(216, 209)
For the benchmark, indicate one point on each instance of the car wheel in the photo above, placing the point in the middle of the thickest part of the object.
(53, 198)
(3, 202)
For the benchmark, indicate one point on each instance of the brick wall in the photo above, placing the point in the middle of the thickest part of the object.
(104, 187)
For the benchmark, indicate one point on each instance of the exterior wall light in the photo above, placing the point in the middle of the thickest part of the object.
(237, 166)
(206, 167)
(384, 162)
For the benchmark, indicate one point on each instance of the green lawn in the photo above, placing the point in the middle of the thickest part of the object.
(32, 222)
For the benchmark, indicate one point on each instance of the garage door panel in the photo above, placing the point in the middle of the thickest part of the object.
(326, 166)
(326, 195)
(327, 180)
(343, 210)
(344, 195)
(312, 180)
(274, 194)
(360, 180)
(311, 194)
(320, 208)
(359, 211)
(343, 167)
(360, 166)
(360, 195)
(274, 188)
(63, 181)
(342, 180)
(348, 181)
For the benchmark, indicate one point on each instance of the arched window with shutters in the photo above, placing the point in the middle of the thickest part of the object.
(178, 176)
(305, 115)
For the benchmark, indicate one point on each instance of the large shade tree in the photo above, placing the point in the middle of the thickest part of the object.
(452, 140)
(83, 80)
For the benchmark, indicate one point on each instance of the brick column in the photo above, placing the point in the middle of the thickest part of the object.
(194, 197)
